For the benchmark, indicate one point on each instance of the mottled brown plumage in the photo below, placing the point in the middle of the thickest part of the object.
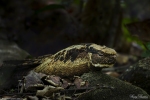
(78, 59)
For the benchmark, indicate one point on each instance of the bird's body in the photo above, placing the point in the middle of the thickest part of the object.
(78, 59)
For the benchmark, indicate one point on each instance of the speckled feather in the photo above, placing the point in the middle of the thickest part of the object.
(78, 59)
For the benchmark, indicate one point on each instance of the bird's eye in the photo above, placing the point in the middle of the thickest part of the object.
(92, 50)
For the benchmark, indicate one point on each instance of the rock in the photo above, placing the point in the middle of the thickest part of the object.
(10, 50)
(114, 89)
(139, 74)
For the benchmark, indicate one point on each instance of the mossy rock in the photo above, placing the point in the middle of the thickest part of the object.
(115, 89)
(139, 74)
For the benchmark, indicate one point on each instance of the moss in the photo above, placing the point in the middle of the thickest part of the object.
(139, 74)
(115, 89)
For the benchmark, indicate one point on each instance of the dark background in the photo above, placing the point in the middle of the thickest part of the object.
(42, 27)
